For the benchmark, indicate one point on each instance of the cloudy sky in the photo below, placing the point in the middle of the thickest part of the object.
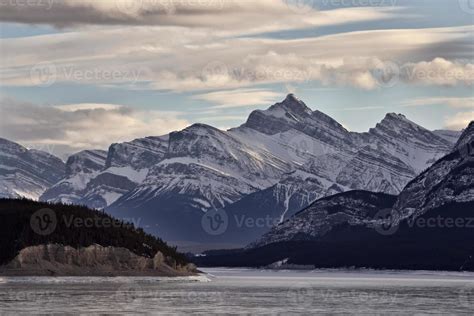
(78, 74)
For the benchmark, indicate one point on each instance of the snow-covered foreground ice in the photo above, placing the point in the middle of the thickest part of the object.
(245, 291)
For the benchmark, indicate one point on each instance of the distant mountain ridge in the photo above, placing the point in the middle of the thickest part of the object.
(276, 163)
(27, 172)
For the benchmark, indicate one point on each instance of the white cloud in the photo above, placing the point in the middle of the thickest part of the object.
(440, 71)
(459, 121)
(178, 59)
(240, 97)
(87, 106)
(461, 102)
(76, 127)
(229, 16)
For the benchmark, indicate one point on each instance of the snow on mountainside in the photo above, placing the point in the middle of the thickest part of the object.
(416, 146)
(285, 157)
(449, 180)
(115, 173)
(383, 160)
(210, 165)
(80, 169)
(26, 173)
(277, 163)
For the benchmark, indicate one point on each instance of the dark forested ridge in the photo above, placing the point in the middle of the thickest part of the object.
(76, 226)
(416, 245)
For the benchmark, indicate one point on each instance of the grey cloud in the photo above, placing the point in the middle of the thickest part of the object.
(64, 131)
(262, 15)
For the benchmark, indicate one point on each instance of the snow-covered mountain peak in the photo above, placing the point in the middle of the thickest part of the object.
(398, 121)
(199, 129)
(397, 126)
(292, 113)
(199, 140)
(290, 106)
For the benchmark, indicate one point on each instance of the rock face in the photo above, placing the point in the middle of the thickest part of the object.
(275, 164)
(95, 260)
(428, 226)
(315, 221)
(449, 181)
(466, 137)
(80, 169)
(113, 174)
(27, 173)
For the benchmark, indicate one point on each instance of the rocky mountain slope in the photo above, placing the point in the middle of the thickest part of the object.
(115, 172)
(80, 169)
(425, 227)
(315, 221)
(27, 173)
(276, 163)
(449, 180)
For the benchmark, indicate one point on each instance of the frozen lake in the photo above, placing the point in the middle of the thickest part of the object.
(245, 291)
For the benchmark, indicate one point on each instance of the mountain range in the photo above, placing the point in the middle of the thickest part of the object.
(428, 226)
(278, 162)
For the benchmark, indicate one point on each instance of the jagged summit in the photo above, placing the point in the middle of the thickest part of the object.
(291, 113)
(199, 127)
(399, 126)
(394, 119)
(293, 105)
